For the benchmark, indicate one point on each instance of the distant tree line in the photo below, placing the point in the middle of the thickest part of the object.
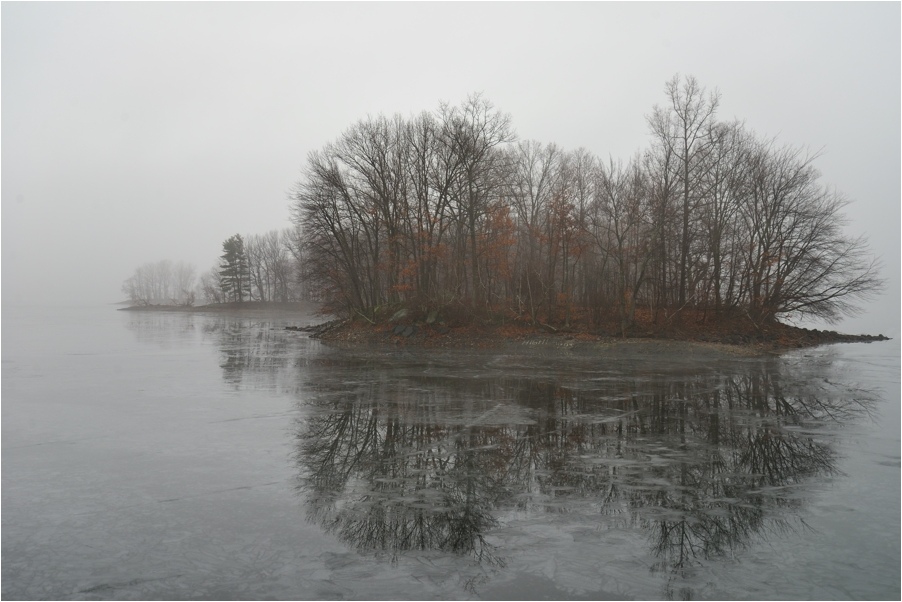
(259, 267)
(164, 282)
(447, 207)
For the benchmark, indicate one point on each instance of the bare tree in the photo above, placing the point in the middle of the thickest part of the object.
(534, 169)
(299, 274)
(799, 259)
(211, 286)
(341, 241)
(277, 260)
(623, 231)
(475, 131)
(183, 283)
(432, 168)
(256, 267)
(718, 222)
(683, 127)
(161, 283)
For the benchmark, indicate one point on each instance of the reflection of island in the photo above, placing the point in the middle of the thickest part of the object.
(701, 463)
(383, 479)
(255, 352)
(165, 330)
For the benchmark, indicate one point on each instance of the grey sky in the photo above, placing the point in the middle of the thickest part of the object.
(134, 132)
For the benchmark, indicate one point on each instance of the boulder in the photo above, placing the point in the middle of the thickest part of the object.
(401, 313)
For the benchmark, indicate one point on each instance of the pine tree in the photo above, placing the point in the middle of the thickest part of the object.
(233, 270)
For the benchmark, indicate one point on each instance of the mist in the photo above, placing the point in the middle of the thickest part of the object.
(136, 132)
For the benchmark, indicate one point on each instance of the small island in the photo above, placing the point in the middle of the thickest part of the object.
(443, 229)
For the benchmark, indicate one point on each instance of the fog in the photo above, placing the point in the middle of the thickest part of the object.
(135, 132)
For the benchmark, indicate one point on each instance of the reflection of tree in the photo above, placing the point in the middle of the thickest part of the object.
(166, 329)
(746, 466)
(386, 480)
(397, 460)
(252, 354)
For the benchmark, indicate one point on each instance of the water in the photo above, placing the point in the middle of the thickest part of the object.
(208, 456)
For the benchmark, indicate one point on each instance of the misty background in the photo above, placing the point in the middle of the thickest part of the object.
(136, 132)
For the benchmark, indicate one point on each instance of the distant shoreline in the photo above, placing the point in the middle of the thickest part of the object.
(249, 307)
(298, 305)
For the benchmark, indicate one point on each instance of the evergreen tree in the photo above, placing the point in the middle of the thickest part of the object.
(233, 270)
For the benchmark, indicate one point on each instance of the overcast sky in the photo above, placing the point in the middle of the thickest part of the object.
(134, 132)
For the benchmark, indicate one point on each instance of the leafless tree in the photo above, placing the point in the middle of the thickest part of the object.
(624, 231)
(799, 260)
(534, 169)
(719, 210)
(163, 282)
(211, 286)
(476, 131)
(683, 129)
(256, 267)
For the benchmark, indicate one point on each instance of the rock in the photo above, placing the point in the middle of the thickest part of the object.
(409, 331)
(401, 313)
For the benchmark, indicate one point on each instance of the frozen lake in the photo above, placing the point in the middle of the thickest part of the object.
(212, 456)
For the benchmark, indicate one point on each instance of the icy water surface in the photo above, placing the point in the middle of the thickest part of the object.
(208, 456)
